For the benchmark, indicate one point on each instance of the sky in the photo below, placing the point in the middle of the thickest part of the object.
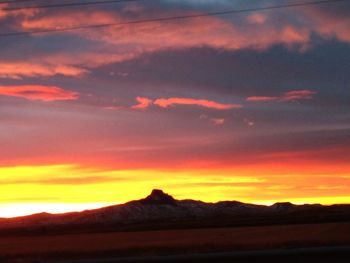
(249, 106)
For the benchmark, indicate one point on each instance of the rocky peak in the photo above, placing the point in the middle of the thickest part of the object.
(283, 206)
(158, 197)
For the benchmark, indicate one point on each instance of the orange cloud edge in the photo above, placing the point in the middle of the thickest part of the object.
(144, 103)
(287, 96)
(38, 92)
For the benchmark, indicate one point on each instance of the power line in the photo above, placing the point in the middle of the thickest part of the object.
(15, 1)
(162, 19)
(16, 8)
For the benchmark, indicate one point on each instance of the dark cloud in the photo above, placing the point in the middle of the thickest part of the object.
(242, 73)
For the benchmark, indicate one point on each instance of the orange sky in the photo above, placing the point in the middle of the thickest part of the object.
(69, 187)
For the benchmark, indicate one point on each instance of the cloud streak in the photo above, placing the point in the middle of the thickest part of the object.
(165, 103)
(143, 103)
(38, 92)
(168, 102)
(18, 70)
(293, 95)
(218, 121)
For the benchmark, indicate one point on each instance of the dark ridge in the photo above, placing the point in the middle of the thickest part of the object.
(160, 210)
(158, 197)
(283, 206)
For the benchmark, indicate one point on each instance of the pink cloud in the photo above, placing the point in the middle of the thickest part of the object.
(125, 42)
(164, 103)
(214, 121)
(38, 92)
(248, 122)
(16, 13)
(113, 107)
(328, 24)
(149, 37)
(298, 95)
(287, 96)
(261, 98)
(120, 43)
(257, 18)
(143, 103)
(17, 70)
(218, 121)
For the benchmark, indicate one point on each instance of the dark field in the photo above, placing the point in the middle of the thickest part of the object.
(171, 242)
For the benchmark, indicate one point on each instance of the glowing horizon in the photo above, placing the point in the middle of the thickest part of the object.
(68, 188)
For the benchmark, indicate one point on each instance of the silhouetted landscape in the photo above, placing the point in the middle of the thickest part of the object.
(160, 225)
(160, 211)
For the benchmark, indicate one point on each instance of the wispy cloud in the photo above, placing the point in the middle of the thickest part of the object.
(298, 95)
(287, 96)
(18, 70)
(38, 92)
(218, 121)
(214, 121)
(261, 98)
(165, 103)
(143, 103)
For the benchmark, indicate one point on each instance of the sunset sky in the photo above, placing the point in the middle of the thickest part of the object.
(251, 106)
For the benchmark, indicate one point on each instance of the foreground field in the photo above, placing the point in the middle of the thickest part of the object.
(308, 255)
(150, 243)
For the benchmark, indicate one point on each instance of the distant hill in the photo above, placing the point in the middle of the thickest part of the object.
(161, 211)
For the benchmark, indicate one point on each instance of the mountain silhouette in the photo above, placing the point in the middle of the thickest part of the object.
(160, 210)
(158, 197)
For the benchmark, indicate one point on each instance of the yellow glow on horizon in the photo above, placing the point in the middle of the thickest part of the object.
(62, 188)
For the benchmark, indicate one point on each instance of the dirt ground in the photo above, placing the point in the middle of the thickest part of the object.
(174, 241)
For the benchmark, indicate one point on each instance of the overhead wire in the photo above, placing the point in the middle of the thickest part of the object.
(74, 4)
(15, 1)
